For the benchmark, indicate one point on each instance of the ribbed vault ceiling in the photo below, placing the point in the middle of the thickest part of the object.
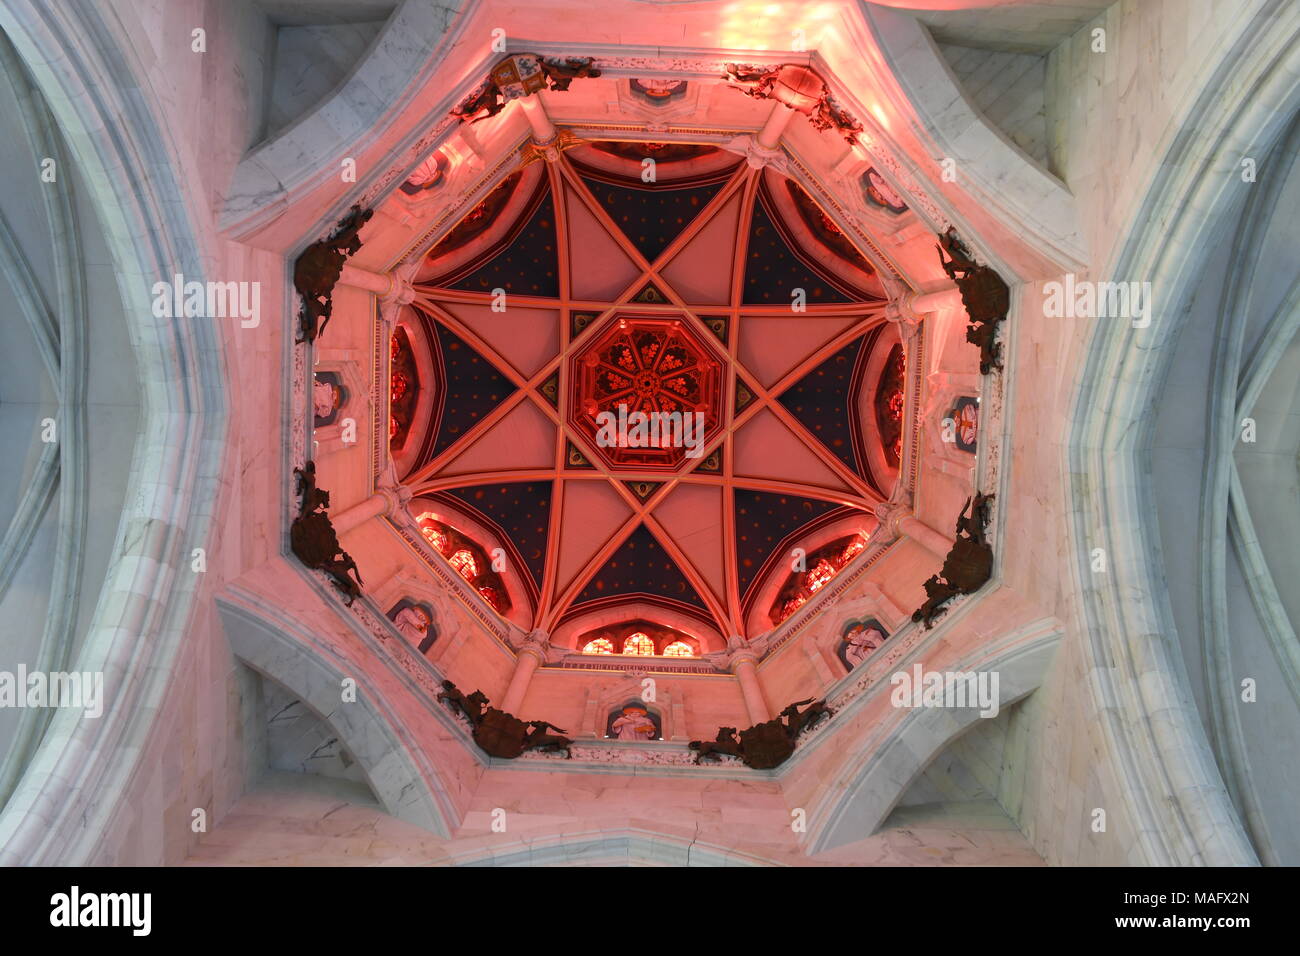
(583, 284)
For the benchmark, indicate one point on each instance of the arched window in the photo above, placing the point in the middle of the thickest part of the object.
(463, 562)
(679, 649)
(826, 562)
(601, 645)
(639, 645)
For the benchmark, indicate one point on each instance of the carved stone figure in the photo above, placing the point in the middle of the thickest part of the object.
(484, 103)
(766, 745)
(634, 724)
(860, 642)
(797, 721)
(413, 622)
(325, 398)
(317, 270)
(471, 707)
(562, 71)
(986, 297)
(968, 565)
(313, 539)
(831, 115)
(539, 739)
(755, 81)
(724, 743)
(520, 75)
(498, 733)
(822, 109)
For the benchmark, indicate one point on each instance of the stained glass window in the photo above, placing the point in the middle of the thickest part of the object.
(463, 562)
(435, 538)
(600, 645)
(679, 649)
(640, 645)
(801, 587)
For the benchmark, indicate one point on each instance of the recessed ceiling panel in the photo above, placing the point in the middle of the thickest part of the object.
(522, 510)
(692, 516)
(640, 566)
(525, 438)
(774, 272)
(526, 338)
(598, 266)
(593, 513)
(473, 388)
(763, 521)
(764, 448)
(771, 346)
(701, 272)
(823, 402)
(651, 218)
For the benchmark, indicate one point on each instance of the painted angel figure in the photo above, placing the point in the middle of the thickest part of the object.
(861, 641)
(634, 724)
(324, 398)
(413, 622)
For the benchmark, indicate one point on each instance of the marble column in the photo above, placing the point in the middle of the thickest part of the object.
(913, 527)
(539, 121)
(777, 121)
(529, 655)
(392, 287)
(744, 664)
(923, 303)
(896, 520)
(385, 501)
(526, 663)
(908, 311)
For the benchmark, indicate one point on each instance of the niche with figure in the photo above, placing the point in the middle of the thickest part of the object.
(965, 416)
(859, 640)
(880, 194)
(414, 620)
(327, 397)
(633, 720)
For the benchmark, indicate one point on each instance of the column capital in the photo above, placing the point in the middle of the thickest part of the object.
(901, 313)
(757, 155)
(892, 513)
(397, 496)
(537, 645)
(401, 290)
(738, 653)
